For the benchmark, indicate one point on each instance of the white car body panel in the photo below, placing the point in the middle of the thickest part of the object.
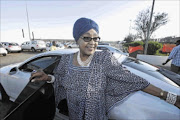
(3, 51)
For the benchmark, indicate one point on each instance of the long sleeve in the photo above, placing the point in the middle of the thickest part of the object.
(59, 72)
(119, 80)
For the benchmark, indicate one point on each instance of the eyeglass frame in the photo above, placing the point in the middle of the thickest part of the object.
(82, 37)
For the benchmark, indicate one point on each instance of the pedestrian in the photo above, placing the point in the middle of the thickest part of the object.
(93, 81)
(175, 56)
(53, 47)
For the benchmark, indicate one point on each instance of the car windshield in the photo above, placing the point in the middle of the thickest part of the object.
(152, 70)
(1, 46)
(13, 44)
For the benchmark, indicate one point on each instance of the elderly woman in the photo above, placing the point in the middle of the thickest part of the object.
(93, 81)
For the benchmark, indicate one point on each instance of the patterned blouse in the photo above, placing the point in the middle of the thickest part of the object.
(91, 91)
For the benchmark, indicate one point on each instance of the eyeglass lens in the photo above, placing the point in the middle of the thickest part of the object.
(88, 39)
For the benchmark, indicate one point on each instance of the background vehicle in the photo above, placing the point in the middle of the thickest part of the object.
(12, 47)
(112, 49)
(58, 45)
(34, 45)
(3, 51)
(15, 78)
(72, 45)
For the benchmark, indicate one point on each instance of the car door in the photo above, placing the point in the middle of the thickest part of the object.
(19, 77)
(28, 45)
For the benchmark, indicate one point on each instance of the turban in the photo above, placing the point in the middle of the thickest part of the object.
(83, 25)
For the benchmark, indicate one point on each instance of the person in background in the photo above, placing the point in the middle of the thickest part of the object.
(93, 81)
(175, 56)
(53, 47)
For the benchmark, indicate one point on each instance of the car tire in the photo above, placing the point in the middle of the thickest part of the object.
(33, 49)
(69, 47)
(41, 50)
(3, 96)
(4, 54)
(8, 51)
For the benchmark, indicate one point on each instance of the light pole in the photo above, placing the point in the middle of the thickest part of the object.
(28, 22)
(149, 26)
(129, 27)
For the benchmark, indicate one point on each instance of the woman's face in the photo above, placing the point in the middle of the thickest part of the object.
(88, 48)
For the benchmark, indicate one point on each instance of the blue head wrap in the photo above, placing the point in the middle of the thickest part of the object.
(83, 25)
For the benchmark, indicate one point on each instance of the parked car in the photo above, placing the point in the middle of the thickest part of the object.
(15, 86)
(112, 49)
(12, 47)
(3, 51)
(34, 45)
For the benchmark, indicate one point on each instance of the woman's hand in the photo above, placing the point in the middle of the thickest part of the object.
(177, 104)
(39, 76)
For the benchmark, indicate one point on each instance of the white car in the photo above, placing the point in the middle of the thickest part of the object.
(34, 45)
(139, 105)
(12, 47)
(3, 51)
(112, 49)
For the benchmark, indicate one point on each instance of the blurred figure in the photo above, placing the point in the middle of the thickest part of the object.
(175, 55)
(53, 47)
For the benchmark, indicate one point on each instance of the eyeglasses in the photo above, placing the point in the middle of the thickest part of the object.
(88, 39)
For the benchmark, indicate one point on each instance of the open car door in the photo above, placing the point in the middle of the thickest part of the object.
(36, 101)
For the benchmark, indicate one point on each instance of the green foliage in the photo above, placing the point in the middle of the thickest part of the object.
(153, 47)
(134, 44)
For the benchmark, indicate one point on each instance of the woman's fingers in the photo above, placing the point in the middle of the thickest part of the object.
(37, 76)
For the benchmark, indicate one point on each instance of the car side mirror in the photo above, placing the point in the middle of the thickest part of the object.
(13, 71)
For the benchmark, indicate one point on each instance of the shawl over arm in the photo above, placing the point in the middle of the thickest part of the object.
(120, 82)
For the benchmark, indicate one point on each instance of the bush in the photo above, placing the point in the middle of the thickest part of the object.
(134, 44)
(153, 47)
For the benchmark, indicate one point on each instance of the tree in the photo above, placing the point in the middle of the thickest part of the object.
(130, 38)
(142, 22)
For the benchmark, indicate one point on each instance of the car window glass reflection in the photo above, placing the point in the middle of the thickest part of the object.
(40, 63)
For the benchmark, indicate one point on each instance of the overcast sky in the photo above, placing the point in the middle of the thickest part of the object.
(55, 19)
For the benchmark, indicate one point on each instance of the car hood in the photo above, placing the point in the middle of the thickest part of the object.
(148, 69)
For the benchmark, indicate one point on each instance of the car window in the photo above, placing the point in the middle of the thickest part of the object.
(13, 44)
(39, 63)
(34, 42)
(102, 48)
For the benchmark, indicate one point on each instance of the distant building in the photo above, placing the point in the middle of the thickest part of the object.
(170, 39)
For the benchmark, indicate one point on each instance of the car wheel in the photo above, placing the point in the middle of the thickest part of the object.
(34, 50)
(4, 54)
(8, 51)
(69, 47)
(3, 96)
(41, 50)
